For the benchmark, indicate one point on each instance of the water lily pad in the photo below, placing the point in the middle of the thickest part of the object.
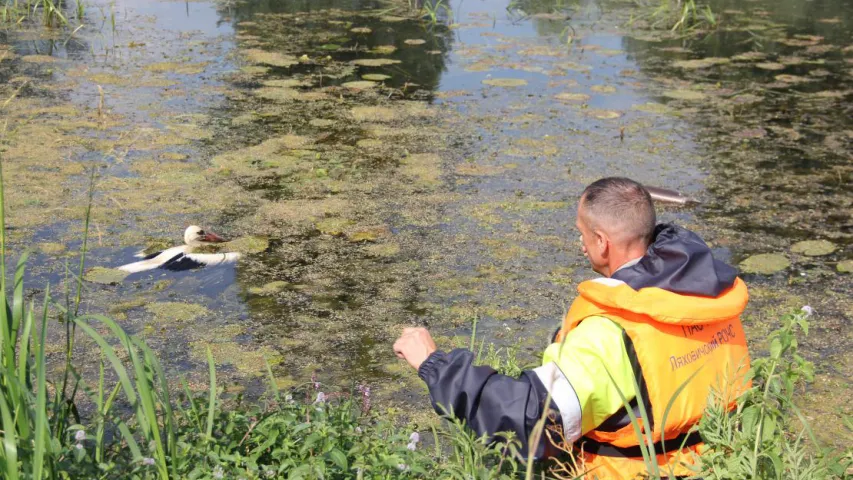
(51, 248)
(359, 84)
(773, 66)
(248, 244)
(603, 88)
(330, 47)
(765, 263)
(360, 30)
(505, 82)
(374, 62)
(415, 41)
(334, 226)
(845, 266)
(376, 77)
(797, 42)
(105, 276)
(368, 234)
(572, 97)
(285, 83)
(701, 63)
(791, 78)
(684, 95)
(383, 49)
(603, 114)
(814, 248)
(270, 288)
(274, 59)
(749, 56)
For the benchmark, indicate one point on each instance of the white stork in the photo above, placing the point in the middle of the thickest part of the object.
(184, 257)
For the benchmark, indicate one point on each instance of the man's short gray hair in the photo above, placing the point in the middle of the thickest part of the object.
(620, 206)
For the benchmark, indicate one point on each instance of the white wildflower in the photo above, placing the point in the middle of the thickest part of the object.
(80, 435)
(403, 467)
(147, 461)
(412, 446)
(321, 398)
(218, 473)
(415, 437)
(79, 446)
(808, 310)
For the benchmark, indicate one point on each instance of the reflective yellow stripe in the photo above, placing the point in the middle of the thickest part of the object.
(589, 352)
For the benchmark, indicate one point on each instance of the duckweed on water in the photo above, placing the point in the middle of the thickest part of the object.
(247, 244)
(814, 248)
(175, 312)
(247, 359)
(178, 68)
(334, 226)
(270, 288)
(765, 263)
(105, 276)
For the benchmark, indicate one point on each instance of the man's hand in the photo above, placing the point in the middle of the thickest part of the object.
(415, 345)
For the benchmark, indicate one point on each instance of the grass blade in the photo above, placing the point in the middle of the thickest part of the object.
(273, 384)
(10, 439)
(18, 296)
(634, 422)
(212, 401)
(42, 442)
(671, 402)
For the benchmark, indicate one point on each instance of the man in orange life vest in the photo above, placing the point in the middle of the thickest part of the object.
(665, 314)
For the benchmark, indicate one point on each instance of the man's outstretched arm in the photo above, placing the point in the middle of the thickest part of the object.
(488, 401)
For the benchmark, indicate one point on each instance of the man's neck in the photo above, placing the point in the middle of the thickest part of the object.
(629, 263)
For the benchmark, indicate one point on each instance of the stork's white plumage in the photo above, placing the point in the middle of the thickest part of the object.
(184, 257)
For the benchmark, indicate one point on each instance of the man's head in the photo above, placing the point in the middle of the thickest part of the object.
(616, 219)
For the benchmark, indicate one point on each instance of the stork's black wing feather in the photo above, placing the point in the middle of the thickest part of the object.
(151, 255)
(180, 263)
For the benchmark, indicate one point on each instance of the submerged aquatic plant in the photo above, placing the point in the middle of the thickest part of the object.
(49, 12)
(678, 15)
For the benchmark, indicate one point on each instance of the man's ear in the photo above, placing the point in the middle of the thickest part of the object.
(602, 242)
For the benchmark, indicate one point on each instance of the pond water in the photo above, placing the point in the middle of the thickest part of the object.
(397, 171)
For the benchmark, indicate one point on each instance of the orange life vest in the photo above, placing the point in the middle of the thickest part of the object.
(672, 339)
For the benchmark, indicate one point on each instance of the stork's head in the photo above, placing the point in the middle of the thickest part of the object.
(196, 236)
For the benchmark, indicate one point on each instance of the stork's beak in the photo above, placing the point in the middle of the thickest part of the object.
(213, 238)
